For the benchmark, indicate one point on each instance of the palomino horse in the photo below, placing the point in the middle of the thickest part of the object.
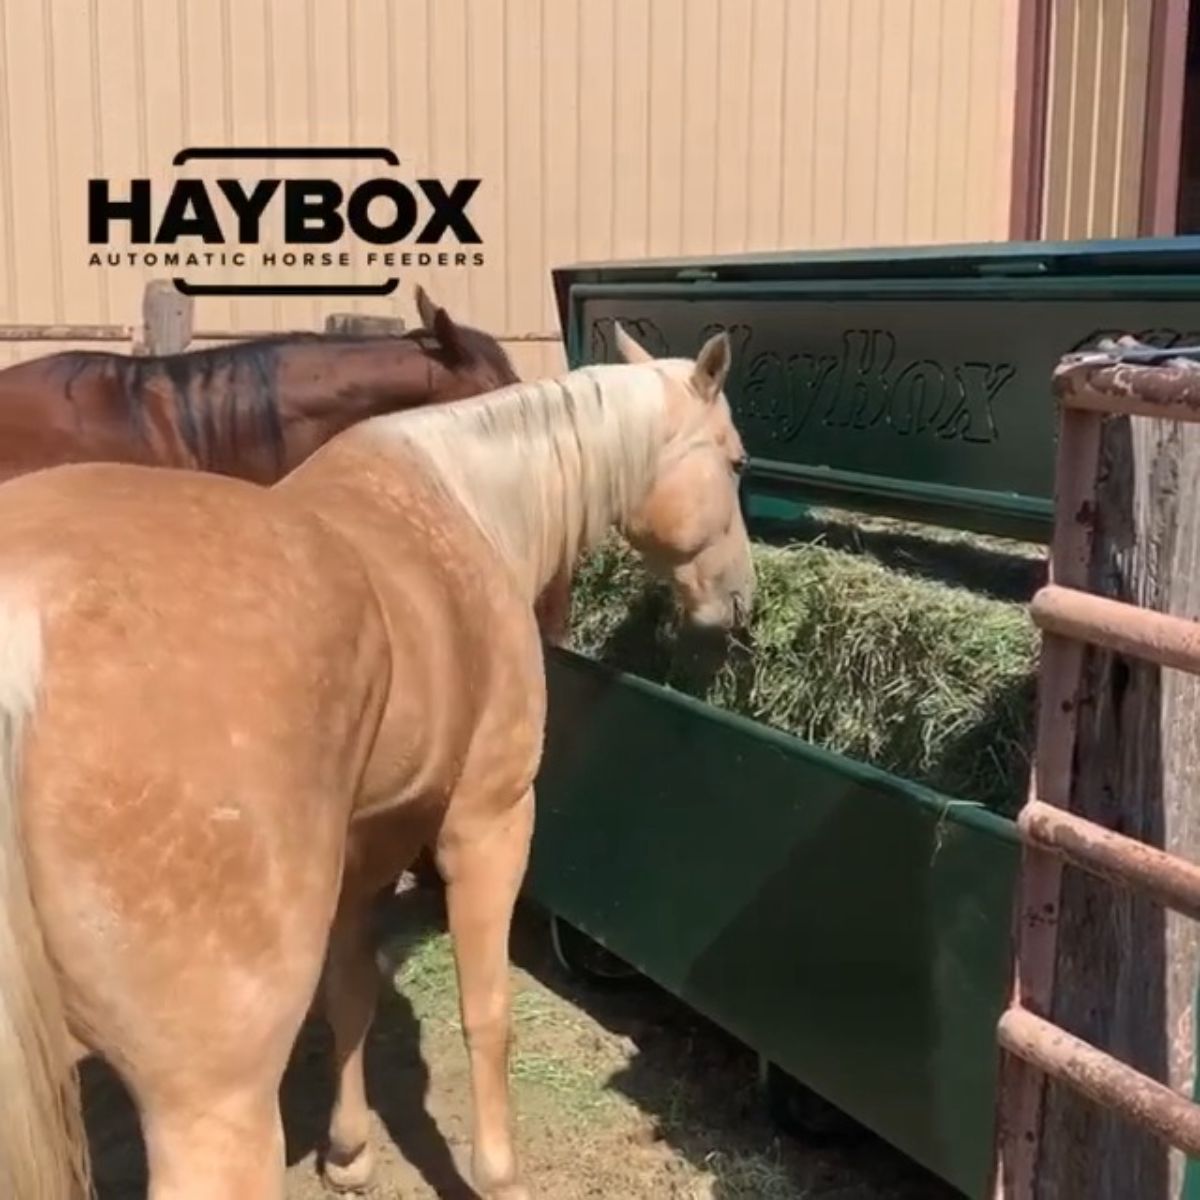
(229, 715)
(253, 409)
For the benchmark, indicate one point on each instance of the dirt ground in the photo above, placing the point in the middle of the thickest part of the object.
(620, 1095)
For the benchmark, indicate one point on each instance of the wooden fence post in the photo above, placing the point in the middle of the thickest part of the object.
(166, 319)
(1126, 977)
(363, 325)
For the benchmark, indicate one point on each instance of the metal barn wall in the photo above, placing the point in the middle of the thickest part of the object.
(1096, 124)
(599, 128)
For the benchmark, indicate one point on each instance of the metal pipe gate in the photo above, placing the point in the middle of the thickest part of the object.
(1136, 380)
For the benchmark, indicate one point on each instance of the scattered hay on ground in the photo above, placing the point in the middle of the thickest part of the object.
(930, 681)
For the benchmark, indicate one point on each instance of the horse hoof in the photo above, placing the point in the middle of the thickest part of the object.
(510, 1191)
(352, 1176)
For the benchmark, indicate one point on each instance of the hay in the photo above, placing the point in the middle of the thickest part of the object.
(935, 683)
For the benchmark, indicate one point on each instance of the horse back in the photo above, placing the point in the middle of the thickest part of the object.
(86, 406)
(203, 614)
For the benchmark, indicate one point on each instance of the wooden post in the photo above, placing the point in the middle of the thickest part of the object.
(1126, 978)
(166, 318)
(363, 325)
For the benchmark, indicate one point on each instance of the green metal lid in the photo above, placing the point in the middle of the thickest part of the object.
(913, 382)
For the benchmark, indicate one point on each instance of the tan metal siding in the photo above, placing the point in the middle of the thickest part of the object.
(600, 128)
(1099, 59)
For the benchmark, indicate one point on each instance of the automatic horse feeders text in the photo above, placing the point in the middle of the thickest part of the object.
(852, 926)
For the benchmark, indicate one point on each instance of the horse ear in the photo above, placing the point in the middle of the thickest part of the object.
(629, 349)
(712, 366)
(446, 332)
(435, 318)
(426, 309)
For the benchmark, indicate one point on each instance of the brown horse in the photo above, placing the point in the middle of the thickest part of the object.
(253, 409)
(229, 715)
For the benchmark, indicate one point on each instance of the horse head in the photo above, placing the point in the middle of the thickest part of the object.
(690, 528)
(476, 360)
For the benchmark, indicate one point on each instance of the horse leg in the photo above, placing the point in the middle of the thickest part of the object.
(351, 993)
(195, 992)
(483, 867)
(226, 1147)
(206, 1066)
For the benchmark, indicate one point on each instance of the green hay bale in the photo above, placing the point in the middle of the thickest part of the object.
(935, 683)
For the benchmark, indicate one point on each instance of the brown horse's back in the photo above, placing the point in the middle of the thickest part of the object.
(214, 410)
(250, 409)
(63, 409)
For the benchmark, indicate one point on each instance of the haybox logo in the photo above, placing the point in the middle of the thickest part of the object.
(271, 223)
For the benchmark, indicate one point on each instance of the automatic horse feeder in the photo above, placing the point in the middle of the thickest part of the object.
(850, 926)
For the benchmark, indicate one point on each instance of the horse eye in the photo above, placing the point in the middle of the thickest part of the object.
(739, 465)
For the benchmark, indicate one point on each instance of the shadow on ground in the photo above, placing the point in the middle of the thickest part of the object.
(691, 1092)
(698, 1085)
(397, 1085)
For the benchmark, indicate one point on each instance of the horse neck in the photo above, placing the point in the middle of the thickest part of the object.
(351, 381)
(545, 469)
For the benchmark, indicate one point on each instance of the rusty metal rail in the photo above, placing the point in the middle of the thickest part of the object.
(1120, 378)
(1101, 1078)
(1123, 628)
(1122, 860)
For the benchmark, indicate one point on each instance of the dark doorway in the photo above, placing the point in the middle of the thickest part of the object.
(1188, 215)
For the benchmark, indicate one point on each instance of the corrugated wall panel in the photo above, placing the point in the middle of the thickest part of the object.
(765, 149)
(1099, 56)
(600, 128)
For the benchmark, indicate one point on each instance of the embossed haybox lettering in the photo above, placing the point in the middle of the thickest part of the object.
(973, 419)
(867, 385)
(916, 397)
(783, 391)
(860, 396)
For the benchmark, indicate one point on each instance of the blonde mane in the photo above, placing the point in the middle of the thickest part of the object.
(545, 468)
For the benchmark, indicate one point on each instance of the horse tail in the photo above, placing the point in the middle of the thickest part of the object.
(43, 1147)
